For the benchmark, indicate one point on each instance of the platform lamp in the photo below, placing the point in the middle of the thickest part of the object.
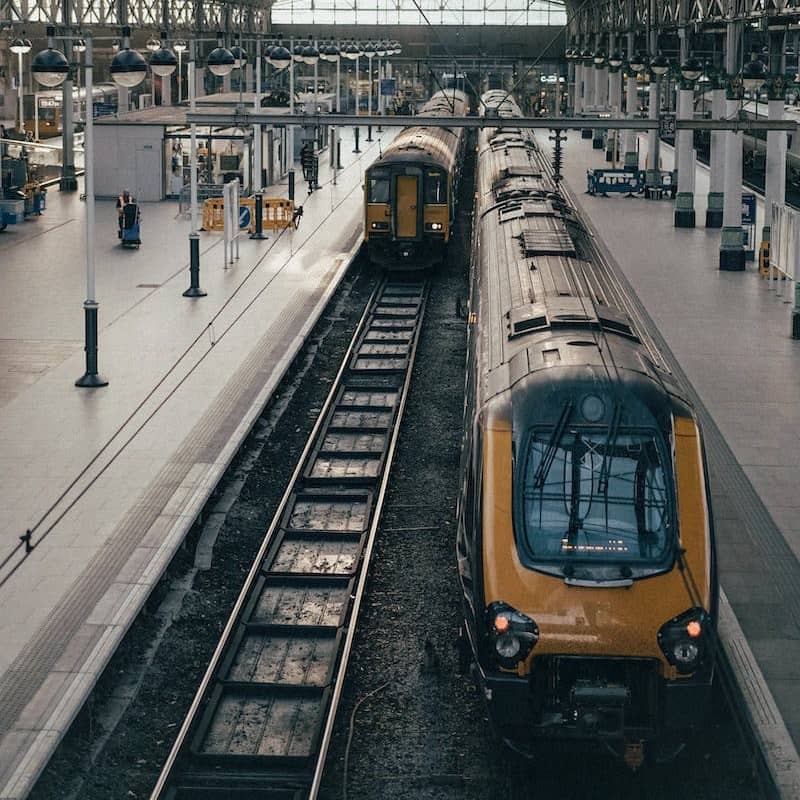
(163, 62)
(180, 47)
(239, 61)
(220, 61)
(50, 68)
(78, 47)
(20, 46)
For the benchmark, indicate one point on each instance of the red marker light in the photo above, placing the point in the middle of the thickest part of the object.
(694, 629)
(502, 624)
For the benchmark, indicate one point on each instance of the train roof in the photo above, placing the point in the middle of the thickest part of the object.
(437, 146)
(546, 298)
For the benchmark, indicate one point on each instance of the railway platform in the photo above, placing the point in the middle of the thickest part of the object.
(728, 333)
(108, 481)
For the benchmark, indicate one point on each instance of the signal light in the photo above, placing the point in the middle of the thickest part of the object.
(694, 629)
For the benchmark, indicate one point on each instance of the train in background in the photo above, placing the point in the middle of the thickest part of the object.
(44, 110)
(411, 191)
(585, 543)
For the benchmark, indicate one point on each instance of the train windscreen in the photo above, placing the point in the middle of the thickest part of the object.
(596, 494)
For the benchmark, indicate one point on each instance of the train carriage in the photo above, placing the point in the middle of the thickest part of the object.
(410, 191)
(585, 539)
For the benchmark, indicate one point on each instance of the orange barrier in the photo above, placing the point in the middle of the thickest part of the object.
(213, 219)
(276, 214)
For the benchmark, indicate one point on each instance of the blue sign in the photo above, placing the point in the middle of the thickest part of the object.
(244, 217)
(748, 209)
(388, 87)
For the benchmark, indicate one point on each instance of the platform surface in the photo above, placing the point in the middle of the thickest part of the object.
(730, 335)
(109, 480)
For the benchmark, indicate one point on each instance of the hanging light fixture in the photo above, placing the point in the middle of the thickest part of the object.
(50, 67)
(163, 62)
(128, 67)
(220, 60)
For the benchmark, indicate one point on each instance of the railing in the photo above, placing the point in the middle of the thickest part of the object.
(204, 192)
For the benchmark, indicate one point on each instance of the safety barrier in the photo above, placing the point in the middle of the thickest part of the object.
(277, 214)
(213, 214)
(784, 245)
(607, 181)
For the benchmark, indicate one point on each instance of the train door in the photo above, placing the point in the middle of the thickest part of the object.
(407, 207)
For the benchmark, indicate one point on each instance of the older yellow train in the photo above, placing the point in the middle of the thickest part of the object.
(585, 540)
(410, 192)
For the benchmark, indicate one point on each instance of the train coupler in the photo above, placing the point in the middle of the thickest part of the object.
(634, 755)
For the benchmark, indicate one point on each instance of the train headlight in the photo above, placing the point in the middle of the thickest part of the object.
(512, 635)
(434, 226)
(685, 639)
(379, 226)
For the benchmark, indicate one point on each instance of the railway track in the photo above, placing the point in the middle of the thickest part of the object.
(261, 720)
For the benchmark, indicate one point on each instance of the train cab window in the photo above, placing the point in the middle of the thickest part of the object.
(597, 496)
(435, 188)
(378, 183)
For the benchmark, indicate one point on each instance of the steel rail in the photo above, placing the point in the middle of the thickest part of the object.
(332, 488)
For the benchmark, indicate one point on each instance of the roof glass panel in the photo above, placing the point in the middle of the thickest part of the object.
(407, 12)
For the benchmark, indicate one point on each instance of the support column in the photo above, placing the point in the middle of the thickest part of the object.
(601, 101)
(716, 183)
(731, 251)
(775, 187)
(684, 201)
(631, 154)
(653, 176)
(166, 90)
(571, 89)
(615, 148)
(577, 101)
(588, 95)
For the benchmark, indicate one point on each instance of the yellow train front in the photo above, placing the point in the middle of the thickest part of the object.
(410, 191)
(585, 541)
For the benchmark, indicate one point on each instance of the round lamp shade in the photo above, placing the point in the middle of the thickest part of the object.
(50, 67)
(221, 61)
(310, 54)
(280, 57)
(754, 75)
(180, 46)
(20, 45)
(163, 62)
(692, 68)
(128, 68)
(659, 64)
(239, 56)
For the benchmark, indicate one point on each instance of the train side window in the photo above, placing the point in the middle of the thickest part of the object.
(378, 188)
(435, 189)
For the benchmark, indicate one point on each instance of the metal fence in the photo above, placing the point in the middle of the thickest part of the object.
(204, 191)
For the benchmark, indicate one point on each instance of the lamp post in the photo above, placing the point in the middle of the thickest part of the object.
(20, 46)
(78, 47)
(50, 68)
(220, 61)
(332, 54)
(162, 63)
(180, 48)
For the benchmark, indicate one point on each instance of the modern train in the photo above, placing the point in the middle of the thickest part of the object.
(410, 192)
(585, 542)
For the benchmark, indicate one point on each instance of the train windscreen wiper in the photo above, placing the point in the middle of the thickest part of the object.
(605, 467)
(550, 452)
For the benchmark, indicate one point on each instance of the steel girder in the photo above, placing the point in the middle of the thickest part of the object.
(586, 19)
(174, 15)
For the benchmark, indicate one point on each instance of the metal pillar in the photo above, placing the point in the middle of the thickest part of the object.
(716, 185)
(775, 187)
(194, 289)
(684, 201)
(90, 379)
(653, 175)
(290, 130)
(631, 154)
(577, 102)
(731, 251)
(601, 101)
